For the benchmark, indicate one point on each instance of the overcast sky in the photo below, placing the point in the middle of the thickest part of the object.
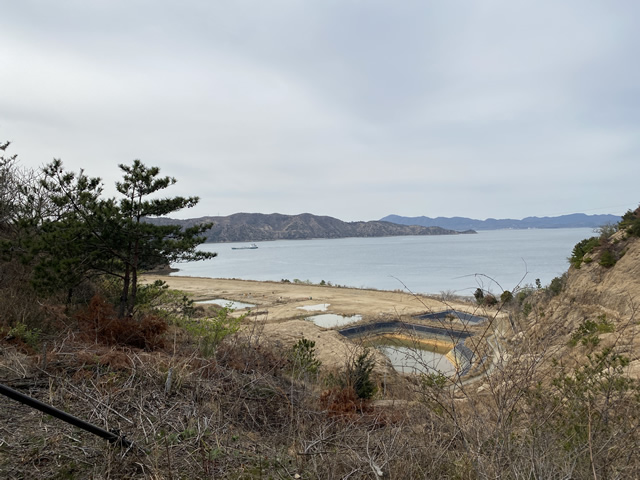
(353, 109)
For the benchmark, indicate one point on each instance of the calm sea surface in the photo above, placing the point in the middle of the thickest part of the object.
(494, 260)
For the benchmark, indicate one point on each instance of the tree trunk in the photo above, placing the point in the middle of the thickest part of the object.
(124, 296)
(134, 278)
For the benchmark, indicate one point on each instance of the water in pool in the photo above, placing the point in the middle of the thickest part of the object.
(330, 320)
(412, 356)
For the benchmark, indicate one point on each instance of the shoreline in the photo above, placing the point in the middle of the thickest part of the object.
(282, 300)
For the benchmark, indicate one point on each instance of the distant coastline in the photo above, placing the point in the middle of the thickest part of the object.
(575, 220)
(258, 227)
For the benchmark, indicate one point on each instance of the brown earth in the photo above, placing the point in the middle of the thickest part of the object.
(596, 293)
(281, 301)
(277, 308)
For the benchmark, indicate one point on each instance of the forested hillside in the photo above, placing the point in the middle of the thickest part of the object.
(255, 227)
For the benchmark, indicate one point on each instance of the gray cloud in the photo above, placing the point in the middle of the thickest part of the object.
(351, 109)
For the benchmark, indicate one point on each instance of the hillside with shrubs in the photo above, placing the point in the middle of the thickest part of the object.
(203, 393)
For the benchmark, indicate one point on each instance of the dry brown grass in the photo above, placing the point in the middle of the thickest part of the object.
(100, 323)
(245, 412)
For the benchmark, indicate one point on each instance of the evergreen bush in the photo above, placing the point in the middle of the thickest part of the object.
(582, 248)
(608, 259)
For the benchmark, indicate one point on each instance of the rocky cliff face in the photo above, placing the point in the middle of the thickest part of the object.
(617, 288)
(255, 227)
(593, 293)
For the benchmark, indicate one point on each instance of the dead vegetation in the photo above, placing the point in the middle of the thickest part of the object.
(242, 413)
(249, 411)
(554, 394)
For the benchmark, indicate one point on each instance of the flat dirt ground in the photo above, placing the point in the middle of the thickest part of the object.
(277, 307)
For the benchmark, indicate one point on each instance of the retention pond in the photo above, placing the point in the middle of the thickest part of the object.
(415, 349)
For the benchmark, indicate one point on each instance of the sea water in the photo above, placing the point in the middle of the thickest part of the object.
(494, 260)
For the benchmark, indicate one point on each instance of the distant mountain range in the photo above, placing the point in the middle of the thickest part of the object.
(256, 227)
(576, 220)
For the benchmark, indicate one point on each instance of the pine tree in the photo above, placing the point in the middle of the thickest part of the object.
(147, 245)
(86, 235)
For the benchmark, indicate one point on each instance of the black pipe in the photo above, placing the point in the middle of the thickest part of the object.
(112, 437)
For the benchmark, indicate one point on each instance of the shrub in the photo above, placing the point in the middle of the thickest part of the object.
(145, 333)
(607, 259)
(556, 285)
(482, 299)
(210, 332)
(581, 249)
(101, 322)
(523, 294)
(592, 415)
(343, 402)
(588, 331)
(506, 297)
(30, 336)
(631, 222)
(357, 375)
(479, 295)
(150, 294)
(303, 356)
(363, 385)
(447, 295)
(606, 231)
(490, 300)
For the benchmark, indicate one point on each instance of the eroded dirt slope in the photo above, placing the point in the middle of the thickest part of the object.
(598, 294)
